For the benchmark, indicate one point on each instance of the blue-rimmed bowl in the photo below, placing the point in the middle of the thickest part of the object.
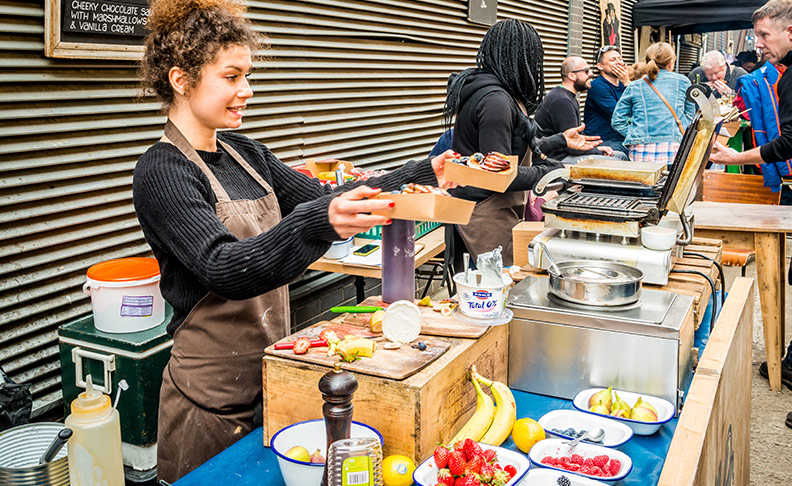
(311, 435)
(549, 477)
(665, 409)
(426, 473)
(560, 448)
(616, 433)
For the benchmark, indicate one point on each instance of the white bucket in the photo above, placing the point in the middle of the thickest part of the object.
(481, 301)
(125, 305)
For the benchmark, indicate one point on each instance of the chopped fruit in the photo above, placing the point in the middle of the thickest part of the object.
(441, 455)
(511, 470)
(375, 322)
(302, 345)
(425, 302)
(362, 346)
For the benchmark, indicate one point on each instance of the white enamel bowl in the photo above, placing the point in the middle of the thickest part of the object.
(549, 477)
(658, 237)
(665, 409)
(616, 433)
(311, 435)
(426, 473)
(557, 448)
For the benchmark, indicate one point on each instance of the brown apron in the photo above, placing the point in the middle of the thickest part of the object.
(492, 221)
(212, 384)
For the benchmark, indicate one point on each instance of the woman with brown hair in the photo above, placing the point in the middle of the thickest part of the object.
(653, 112)
(230, 225)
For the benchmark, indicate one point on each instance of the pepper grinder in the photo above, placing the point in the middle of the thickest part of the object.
(337, 388)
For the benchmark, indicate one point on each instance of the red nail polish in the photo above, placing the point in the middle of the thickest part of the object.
(389, 221)
(392, 204)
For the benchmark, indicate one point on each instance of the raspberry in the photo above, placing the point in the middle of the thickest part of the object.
(573, 467)
(595, 471)
(600, 461)
(548, 460)
(589, 462)
(585, 470)
(577, 459)
(564, 460)
(614, 467)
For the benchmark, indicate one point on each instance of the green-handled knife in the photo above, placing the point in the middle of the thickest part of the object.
(357, 309)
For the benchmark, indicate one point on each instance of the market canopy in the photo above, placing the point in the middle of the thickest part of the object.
(695, 16)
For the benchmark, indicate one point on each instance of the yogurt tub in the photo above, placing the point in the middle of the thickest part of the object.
(481, 301)
(339, 249)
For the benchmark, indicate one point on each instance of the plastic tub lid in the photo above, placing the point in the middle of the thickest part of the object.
(124, 270)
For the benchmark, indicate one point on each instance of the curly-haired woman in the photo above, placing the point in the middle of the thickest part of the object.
(230, 225)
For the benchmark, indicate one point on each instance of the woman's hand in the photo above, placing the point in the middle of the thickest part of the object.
(606, 150)
(578, 141)
(348, 212)
(438, 165)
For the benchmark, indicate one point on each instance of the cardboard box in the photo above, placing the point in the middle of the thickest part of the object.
(327, 165)
(412, 414)
(493, 181)
(522, 235)
(428, 207)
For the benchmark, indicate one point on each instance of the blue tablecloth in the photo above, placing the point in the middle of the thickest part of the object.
(248, 462)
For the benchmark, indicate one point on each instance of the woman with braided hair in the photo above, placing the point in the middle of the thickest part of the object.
(492, 103)
(230, 225)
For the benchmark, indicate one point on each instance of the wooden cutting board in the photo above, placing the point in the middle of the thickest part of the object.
(433, 323)
(396, 364)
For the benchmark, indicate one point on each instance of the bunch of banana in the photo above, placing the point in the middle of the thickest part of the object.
(490, 424)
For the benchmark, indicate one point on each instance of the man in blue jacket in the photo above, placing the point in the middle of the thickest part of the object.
(603, 95)
(773, 28)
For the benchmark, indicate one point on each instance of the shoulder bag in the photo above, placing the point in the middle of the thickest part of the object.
(679, 123)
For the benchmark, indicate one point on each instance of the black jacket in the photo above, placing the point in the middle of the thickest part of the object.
(488, 119)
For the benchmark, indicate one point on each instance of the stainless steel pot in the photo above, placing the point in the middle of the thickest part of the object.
(598, 283)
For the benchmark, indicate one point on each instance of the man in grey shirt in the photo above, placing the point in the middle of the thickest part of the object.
(717, 73)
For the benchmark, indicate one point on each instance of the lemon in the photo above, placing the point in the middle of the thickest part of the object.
(397, 470)
(299, 453)
(526, 433)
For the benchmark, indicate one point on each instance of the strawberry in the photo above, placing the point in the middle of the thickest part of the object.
(441, 455)
(459, 445)
(589, 462)
(487, 472)
(474, 465)
(600, 461)
(472, 449)
(577, 459)
(445, 478)
(468, 480)
(614, 466)
(457, 463)
(511, 470)
(490, 455)
(500, 478)
(302, 345)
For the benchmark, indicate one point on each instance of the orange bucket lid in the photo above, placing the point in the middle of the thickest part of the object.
(124, 269)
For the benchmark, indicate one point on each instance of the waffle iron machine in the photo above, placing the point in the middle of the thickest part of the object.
(604, 203)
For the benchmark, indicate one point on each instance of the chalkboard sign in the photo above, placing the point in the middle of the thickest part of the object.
(96, 29)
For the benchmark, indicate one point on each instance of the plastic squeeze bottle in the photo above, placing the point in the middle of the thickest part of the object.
(95, 448)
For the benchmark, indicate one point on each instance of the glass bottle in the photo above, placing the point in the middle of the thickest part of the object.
(398, 261)
(355, 462)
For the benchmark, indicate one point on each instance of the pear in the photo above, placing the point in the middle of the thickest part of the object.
(643, 414)
(317, 457)
(299, 453)
(599, 408)
(602, 397)
(641, 403)
(620, 407)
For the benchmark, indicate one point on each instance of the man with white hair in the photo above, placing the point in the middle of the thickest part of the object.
(716, 72)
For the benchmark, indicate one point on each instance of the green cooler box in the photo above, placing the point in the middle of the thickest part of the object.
(139, 358)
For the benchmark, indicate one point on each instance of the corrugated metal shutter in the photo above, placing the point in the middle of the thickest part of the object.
(687, 56)
(627, 32)
(359, 80)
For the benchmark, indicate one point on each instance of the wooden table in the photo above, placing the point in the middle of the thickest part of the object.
(433, 244)
(761, 228)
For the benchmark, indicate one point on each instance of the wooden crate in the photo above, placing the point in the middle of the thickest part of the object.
(413, 414)
(680, 283)
(711, 444)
